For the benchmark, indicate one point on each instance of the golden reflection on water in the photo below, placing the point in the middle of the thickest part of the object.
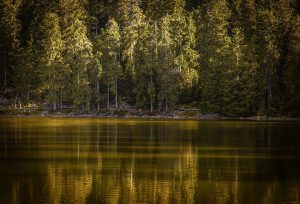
(47, 160)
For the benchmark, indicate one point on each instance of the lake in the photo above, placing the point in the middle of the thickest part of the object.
(89, 160)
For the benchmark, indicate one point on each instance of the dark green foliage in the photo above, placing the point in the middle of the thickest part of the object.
(239, 90)
(77, 52)
(51, 62)
(235, 58)
(9, 39)
(216, 55)
(292, 75)
(110, 48)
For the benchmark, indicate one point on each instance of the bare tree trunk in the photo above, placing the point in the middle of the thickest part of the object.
(97, 83)
(268, 93)
(151, 99)
(61, 99)
(151, 105)
(155, 57)
(270, 87)
(116, 96)
(54, 105)
(155, 34)
(15, 102)
(166, 101)
(78, 82)
(98, 95)
(5, 72)
(54, 102)
(166, 105)
(28, 98)
(55, 94)
(107, 92)
(179, 64)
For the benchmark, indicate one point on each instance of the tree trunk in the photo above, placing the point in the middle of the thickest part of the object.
(15, 102)
(78, 90)
(180, 52)
(54, 102)
(28, 98)
(60, 99)
(116, 96)
(166, 105)
(54, 105)
(96, 16)
(98, 96)
(88, 105)
(151, 99)
(107, 92)
(97, 83)
(5, 72)
(54, 93)
(151, 105)
(155, 34)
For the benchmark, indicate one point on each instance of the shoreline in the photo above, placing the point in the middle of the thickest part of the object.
(208, 117)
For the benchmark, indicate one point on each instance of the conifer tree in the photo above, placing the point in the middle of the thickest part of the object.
(131, 19)
(236, 58)
(183, 34)
(77, 51)
(98, 10)
(215, 53)
(292, 75)
(9, 37)
(25, 73)
(167, 73)
(144, 55)
(239, 87)
(28, 78)
(51, 68)
(111, 58)
(96, 71)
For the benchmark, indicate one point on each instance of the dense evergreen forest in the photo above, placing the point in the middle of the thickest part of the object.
(231, 57)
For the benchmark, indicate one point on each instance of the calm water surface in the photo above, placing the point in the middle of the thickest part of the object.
(63, 160)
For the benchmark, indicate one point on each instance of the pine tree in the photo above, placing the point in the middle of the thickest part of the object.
(132, 17)
(144, 59)
(96, 71)
(215, 54)
(183, 34)
(153, 13)
(286, 26)
(239, 88)
(269, 58)
(27, 71)
(77, 51)
(51, 68)
(98, 11)
(21, 79)
(111, 58)
(167, 73)
(9, 37)
(292, 75)
(129, 17)
(233, 57)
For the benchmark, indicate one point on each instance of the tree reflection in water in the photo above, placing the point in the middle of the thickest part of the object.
(142, 161)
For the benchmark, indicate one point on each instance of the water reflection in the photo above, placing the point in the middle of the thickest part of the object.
(122, 161)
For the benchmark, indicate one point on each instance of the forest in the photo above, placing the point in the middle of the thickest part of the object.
(228, 57)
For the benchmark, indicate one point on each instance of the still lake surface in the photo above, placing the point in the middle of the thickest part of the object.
(88, 160)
